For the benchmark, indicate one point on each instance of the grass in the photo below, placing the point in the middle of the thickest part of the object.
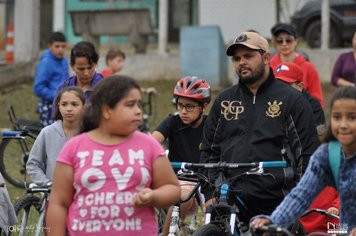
(24, 102)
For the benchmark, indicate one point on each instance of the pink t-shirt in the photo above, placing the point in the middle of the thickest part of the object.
(106, 178)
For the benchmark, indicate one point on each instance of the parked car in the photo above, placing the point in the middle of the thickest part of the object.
(307, 21)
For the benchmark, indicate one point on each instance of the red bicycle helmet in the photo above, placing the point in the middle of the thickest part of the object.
(193, 87)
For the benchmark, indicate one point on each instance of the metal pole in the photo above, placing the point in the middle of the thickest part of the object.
(325, 24)
(58, 15)
(163, 27)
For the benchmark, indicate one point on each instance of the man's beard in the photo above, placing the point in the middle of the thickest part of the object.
(256, 75)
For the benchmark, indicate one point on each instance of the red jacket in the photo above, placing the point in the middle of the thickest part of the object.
(311, 78)
(106, 72)
(315, 222)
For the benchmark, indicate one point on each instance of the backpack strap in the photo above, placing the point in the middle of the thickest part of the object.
(334, 148)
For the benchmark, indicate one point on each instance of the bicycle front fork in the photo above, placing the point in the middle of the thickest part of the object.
(174, 221)
(222, 210)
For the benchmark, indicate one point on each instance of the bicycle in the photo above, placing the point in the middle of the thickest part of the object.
(177, 226)
(18, 123)
(147, 109)
(15, 147)
(30, 211)
(274, 229)
(221, 218)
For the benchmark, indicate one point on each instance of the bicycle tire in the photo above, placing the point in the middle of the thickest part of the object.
(209, 230)
(161, 215)
(27, 212)
(12, 160)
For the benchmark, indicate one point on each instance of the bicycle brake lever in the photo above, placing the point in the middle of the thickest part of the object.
(259, 171)
(185, 172)
(255, 171)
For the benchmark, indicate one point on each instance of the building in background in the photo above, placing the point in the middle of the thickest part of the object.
(231, 16)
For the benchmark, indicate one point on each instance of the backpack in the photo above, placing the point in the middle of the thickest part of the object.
(334, 148)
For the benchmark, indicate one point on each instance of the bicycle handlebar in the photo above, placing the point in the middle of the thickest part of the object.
(43, 188)
(225, 165)
(18, 133)
(11, 133)
(320, 211)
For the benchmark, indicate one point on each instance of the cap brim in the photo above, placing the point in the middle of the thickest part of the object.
(286, 79)
(285, 31)
(231, 49)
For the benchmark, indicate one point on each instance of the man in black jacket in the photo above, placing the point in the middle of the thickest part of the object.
(254, 121)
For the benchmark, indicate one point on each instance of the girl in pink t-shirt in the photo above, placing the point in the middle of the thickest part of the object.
(109, 179)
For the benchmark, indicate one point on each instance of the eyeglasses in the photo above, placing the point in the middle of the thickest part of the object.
(188, 107)
(281, 40)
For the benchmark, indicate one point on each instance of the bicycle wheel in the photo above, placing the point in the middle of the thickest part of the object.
(27, 211)
(161, 214)
(13, 157)
(209, 230)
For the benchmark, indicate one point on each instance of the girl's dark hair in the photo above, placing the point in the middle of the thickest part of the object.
(78, 91)
(84, 49)
(114, 52)
(340, 93)
(108, 91)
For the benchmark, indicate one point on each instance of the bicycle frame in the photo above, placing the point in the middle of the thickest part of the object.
(175, 219)
(147, 109)
(20, 135)
(222, 186)
(44, 192)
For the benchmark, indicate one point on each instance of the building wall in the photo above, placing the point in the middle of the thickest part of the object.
(234, 16)
(101, 4)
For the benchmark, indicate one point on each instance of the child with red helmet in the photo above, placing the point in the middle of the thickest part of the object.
(184, 132)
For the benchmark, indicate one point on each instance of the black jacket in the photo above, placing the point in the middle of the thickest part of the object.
(243, 128)
(318, 112)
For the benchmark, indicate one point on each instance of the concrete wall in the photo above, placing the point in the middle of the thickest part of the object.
(86, 5)
(148, 66)
(234, 16)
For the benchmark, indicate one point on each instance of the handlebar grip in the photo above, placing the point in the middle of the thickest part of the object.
(10, 133)
(177, 165)
(279, 164)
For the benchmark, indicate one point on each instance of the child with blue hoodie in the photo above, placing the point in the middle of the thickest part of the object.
(68, 110)
(52, 70)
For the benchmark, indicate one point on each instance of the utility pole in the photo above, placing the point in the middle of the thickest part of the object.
(27, 33)
(163, 27)
(278, 15)
(325, 24)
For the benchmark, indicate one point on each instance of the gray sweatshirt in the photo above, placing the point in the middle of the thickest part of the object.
(7, 211)
(42, 160)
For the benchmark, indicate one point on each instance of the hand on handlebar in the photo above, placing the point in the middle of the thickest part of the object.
(333, 210)
(258, 223)
(211, 201)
